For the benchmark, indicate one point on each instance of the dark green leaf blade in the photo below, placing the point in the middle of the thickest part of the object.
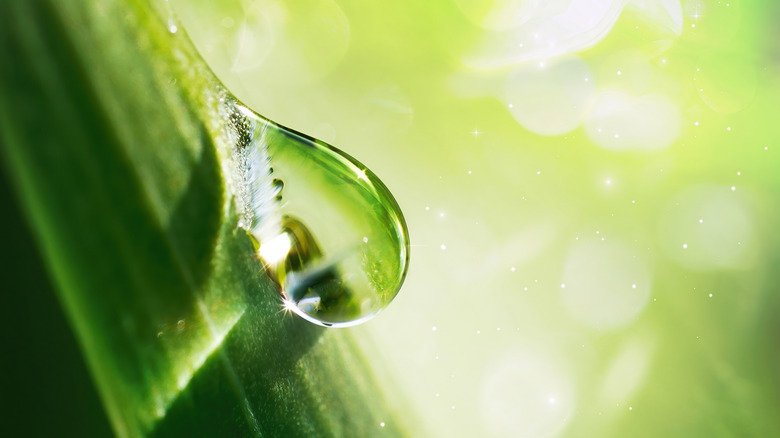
(111, 135)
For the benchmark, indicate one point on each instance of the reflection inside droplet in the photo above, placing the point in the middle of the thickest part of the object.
(328, 231)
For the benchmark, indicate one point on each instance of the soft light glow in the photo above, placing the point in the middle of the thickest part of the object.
(731, 241)
(626, 372)
(526, 394)
(553, 100)
(596, 275)
(529, 31)
(644, 122)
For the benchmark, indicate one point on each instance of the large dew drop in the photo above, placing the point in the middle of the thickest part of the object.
(328, 231)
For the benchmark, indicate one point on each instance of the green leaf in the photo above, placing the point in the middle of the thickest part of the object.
(112, 136)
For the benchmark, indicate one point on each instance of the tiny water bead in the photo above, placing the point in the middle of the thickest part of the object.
(327, 230)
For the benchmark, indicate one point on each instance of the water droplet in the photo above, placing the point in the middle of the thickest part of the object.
(328, 231)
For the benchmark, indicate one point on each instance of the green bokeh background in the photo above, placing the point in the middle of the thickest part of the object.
(519, 316)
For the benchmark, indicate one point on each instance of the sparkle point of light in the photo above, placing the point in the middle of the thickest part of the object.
(288, 305)
(685, 245)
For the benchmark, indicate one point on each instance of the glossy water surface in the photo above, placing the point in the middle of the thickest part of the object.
(329, 232)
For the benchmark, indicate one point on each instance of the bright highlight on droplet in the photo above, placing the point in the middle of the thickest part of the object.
(276, 249)
(327, 230)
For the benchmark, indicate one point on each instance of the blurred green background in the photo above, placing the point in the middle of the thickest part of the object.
(591, 190)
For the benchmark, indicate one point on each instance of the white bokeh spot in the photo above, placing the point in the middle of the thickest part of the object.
(527, 396)
(552, 100)
(726, 237)
(621, 122)
(600, 277)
